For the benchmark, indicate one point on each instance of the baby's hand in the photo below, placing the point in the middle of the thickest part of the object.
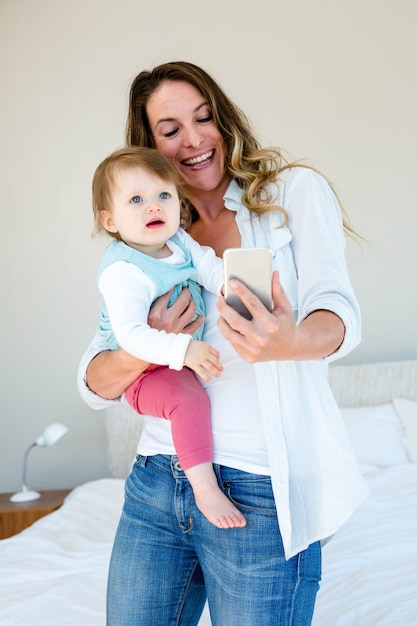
(203, 359)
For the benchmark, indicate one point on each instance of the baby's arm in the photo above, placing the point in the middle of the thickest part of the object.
(209, 267)
(105, 374)
(128, 293)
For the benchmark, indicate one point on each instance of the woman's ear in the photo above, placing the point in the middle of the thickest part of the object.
(106, 219)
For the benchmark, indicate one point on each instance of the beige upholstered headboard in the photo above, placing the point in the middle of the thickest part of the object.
(373, 383)
(353, 385)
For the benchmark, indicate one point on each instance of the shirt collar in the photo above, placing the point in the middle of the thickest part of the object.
(233, 196)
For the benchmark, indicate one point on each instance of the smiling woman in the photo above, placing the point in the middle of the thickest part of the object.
(275, 422)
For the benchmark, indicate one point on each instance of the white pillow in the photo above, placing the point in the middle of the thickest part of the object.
(377, 436)
(407, 412)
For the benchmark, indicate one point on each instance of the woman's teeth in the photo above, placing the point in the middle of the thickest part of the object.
(200, 159)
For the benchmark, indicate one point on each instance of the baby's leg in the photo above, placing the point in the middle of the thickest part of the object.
(179, 397)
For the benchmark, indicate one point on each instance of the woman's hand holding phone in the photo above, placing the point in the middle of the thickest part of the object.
(275, 336)
(268, 335)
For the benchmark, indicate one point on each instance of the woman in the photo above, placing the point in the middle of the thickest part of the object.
(281, 451)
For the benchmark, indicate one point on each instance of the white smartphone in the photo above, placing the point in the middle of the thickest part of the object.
(253, 267)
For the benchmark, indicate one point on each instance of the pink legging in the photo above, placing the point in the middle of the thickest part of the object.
(179, 397)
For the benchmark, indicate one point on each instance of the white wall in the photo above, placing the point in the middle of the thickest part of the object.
(333, 81)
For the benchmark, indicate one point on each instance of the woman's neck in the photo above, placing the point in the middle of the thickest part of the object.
(208, 204)
(217, 229)
(216, 225)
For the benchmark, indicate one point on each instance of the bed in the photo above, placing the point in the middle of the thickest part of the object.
(54, 572)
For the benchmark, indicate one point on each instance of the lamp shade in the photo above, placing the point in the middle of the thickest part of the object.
(51, 435)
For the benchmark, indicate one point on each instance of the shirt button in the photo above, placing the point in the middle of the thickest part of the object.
(178, 466)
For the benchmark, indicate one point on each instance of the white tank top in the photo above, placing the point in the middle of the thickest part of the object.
(238, 437)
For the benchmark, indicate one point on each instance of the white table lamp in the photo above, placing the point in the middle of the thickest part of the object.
(50, 436)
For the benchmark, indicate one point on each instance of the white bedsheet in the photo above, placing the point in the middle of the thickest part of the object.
(54, 573)
(370, 566)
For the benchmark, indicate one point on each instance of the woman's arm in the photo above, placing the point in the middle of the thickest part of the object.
(112, 371)
(109, 373)
(323, 318)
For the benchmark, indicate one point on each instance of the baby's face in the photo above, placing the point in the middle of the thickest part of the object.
(145, 211)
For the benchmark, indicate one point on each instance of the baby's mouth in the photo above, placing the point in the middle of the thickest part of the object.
(155, 223)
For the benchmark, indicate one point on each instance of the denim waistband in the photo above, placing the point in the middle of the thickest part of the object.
(171, 463)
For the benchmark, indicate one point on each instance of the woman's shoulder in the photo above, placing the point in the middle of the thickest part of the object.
(299, 181)
(301, 174)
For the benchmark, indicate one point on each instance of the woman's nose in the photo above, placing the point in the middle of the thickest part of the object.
(192, 137)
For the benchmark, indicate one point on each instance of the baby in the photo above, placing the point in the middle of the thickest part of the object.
(136, 200)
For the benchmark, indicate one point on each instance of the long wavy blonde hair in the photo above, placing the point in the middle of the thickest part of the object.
(252, 166)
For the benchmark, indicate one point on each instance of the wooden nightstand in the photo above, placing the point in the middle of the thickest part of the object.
(16, 516)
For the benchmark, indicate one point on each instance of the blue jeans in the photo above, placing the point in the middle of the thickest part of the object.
(167, 557)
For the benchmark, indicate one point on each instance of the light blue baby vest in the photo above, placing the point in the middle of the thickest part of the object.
(164, 276)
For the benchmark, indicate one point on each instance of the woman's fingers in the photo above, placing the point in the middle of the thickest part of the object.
(268, 335)
(178, 318)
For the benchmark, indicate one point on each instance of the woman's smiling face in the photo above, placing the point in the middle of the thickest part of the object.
(184, 131)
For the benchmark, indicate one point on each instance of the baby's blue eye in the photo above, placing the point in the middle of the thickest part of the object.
(136, 199)
(164, 195)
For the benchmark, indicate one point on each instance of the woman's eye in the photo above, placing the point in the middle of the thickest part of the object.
(207, 118)
(136, 199)
(164, 195)
(171, 133)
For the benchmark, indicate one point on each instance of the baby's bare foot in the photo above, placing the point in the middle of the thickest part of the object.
(218, 509)
(211, 500)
